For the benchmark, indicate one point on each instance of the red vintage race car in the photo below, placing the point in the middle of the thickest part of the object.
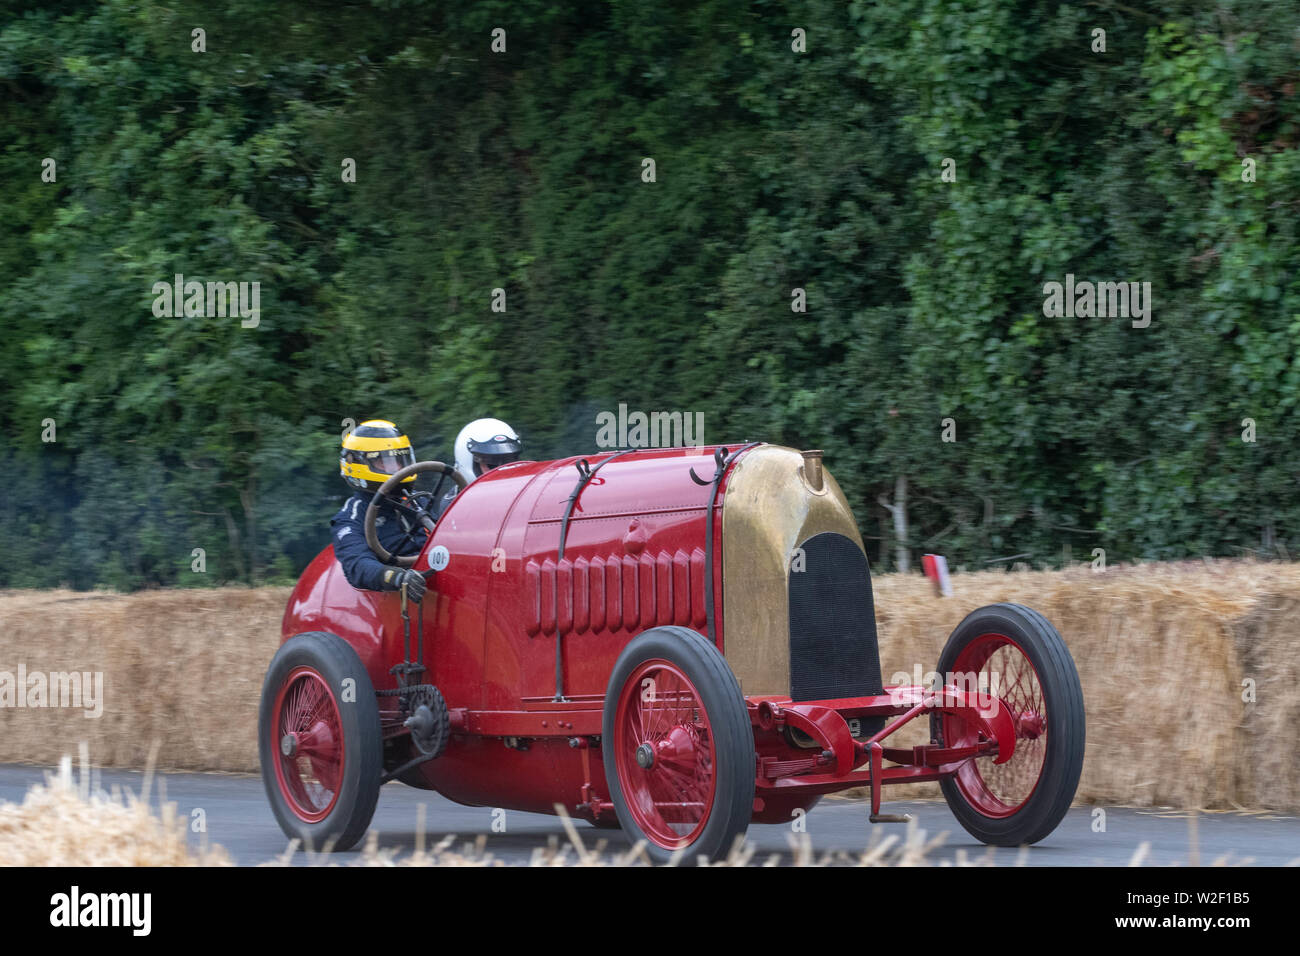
(678, 642)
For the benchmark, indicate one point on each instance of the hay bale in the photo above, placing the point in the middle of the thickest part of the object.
(1268, 761)
(1159, 652)
(181, 668)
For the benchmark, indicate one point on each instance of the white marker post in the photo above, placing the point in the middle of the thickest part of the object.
(936, 569)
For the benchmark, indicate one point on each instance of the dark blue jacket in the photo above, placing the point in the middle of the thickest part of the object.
(360, 565)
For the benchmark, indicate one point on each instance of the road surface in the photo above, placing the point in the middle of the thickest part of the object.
(239, 819)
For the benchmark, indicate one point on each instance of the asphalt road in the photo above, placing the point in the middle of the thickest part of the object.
(239, 819)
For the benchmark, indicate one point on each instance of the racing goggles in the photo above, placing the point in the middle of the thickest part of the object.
(389, 461)
(496, 451)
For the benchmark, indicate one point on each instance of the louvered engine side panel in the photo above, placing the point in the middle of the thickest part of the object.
(616, 592)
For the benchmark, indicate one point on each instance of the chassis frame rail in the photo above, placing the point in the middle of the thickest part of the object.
(826, 722)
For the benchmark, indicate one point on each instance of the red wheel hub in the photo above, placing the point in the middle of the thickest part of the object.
(1031, 725)
(1001, 666)
(664, 755)
(309, 743)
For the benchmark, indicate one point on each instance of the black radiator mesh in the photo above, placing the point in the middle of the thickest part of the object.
(833, 650)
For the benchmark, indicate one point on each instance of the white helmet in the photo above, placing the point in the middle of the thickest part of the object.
(483, 444)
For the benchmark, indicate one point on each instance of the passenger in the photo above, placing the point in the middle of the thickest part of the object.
(372, 452)
(482, 445)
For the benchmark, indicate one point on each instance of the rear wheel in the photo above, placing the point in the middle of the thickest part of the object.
(1014, 653)
(319, 742)
(677, 745)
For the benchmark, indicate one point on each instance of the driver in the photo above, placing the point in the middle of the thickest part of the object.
(372, 452)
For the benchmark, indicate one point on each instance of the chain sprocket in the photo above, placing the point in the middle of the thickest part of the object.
(429, 722)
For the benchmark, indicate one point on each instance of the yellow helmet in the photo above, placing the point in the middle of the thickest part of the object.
(372, 452)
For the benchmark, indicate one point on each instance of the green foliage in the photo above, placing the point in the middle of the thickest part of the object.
(522, 171)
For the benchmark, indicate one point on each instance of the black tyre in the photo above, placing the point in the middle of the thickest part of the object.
(677, 745)
(1020, 801)
(319, 742)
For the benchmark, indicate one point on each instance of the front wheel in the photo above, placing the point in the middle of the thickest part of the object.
(1019, 658)
(677, 746)
(320, 742)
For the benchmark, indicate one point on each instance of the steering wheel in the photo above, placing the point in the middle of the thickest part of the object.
(417, 505)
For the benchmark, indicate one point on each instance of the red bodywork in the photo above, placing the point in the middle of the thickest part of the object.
(634, 559)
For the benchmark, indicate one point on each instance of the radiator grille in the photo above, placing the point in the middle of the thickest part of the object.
(833, 650)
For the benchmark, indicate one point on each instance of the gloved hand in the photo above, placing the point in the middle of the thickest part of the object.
(394, 578)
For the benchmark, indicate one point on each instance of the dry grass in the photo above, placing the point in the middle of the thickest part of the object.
(64, 823)
(911, 849)
(1162, 651)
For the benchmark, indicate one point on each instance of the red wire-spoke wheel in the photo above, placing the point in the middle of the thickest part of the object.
(1018, 658)
(677, 746)
(995, 665)
(306, 720)
(665, 754)
(321, 749)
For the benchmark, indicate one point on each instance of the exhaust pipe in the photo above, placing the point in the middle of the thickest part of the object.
(812, 469)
